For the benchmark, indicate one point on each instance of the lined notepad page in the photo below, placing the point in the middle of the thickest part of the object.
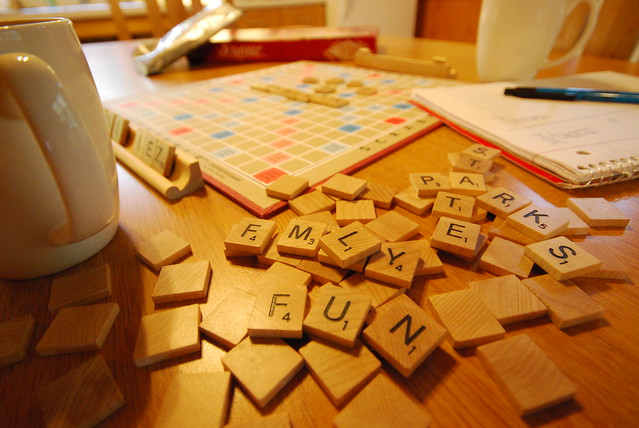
(575, 140)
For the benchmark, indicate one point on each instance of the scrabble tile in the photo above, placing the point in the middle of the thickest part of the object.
(380, 194)
(482, 241)
(467, 319)
(480, 151)
(227, 323)
(282, 274)
(310, 203)
(263, 367)
(275, 420)
(382, 404)
(84, 396)
(287, 187)
(167, 334)
(182, 282)
(562, 258)
(278, 311)
(350, 244)
(429, 261)
(598, 212)
(337, 315)
(395, 264)
(325, 217)
(325, 259)
(272, 255)
(379, 292)
(344, 186)
(508, 299)
(321, 272)
(301, 238)
(409, 200)
(467, 183)
(163, 249)
(403, 334)
(163, 157)
(501, 229)
(537, 222)
(347, 212)
(429, 183)
(80, 287)
(393, 227)
(340, 372)
(250, 235)
(612, 267)
(503, 257)
(472, 164)
(501, 201)
(15, 336)
(80, 328)
(526, 376)
(196, 400)
(119, 129)
(567, 304)
(456, 236)
(576, 226)
(454, 205)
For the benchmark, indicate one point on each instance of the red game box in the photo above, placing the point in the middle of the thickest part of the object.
(285, 44)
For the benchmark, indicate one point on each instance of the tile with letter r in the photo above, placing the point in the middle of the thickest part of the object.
(501, 201)
(250, 235)
(350, 244)
(403, 334)
(454, 205)
(562, 258)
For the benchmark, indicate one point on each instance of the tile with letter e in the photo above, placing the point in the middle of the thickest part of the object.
(287, 187)
(311, 203)
(347, 212)
(598, 212)
(250, 235)
(337, 315)
(562, 258)
(301, 238)
(480, 151)
(429, 183)
(467, 319)
(15, 336)
(538, 222)
(350, 244)
(503, 257)
(227, 323)
(344, 186)
(454, 205)
(80, 287)
(382, 404)
(508, 299)
(395, 263)
(467, 183)
(403, 334)
(379, 292)
(409, 200)
(340, 372)
(456, 236)
(196, 400)
(163, 249)
(501, 201)
(263, 367)
(568, 305)
(393, 227)
(528, 378)
(278, 311)
(83, 397)
(182, 282)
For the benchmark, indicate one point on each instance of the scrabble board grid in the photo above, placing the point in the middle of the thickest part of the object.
(245, 138)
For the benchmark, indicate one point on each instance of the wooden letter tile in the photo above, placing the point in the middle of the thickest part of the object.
(380, 194)
(471, 164)
(568, 305)
(501, 229)
(163, 249)
(562, 258)
(321, 272)
(409, 200)
(167, 334)
(282, 274)
(310, 203)
(350, 244)
(379, 292)
(250, 235)
(576, 227)
(479, 151)
(454, 205)
(393, 227)
(503, 257)
(263, 367)
(429, 183)
(456, 236)
(301, 238)
(347, 212)
(80, 288)
(501, 201)
(80, 328)
(429, 262)
(337, 315)
(597, 212)
(537, 222)
(467, 183)
(403, 334)
(340, 372)
(528, 378)
(182, 282)
(278, 311)
(287, 187)
(15, 336)
(508, 299)
(344, 186)
(395, 264)
(467, 318)
(227, 323)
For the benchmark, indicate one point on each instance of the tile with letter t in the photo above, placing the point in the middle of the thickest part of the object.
(562, 258)
(403, 334)
(395, 263)
(337, 315)
(350, 244)
(454, 205)
(538, 222)
(278, 311)
(250, 235)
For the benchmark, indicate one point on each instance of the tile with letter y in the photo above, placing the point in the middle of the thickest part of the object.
(403, 334)
(395, 263)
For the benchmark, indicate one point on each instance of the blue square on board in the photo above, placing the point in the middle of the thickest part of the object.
(350, 128)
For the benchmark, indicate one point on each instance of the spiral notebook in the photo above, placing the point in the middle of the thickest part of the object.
(570, 144)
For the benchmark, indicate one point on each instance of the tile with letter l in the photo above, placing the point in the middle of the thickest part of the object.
(350, 244)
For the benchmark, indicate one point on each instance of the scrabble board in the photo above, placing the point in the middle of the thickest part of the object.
(245, 138)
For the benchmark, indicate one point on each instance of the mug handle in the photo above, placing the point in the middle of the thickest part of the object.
(34, 93)
(580, 44)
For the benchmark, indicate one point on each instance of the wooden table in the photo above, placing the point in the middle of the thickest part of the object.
(601, 357)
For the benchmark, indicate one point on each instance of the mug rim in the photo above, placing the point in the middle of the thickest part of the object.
(7, 22)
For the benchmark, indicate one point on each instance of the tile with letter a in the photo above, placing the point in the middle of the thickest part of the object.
(340, 372)
(537, 222)
(467, 318)
(301, 238)
(15, 336)
(467, 183)
(227, 323)
(263, 366)
(163, 249)
(501, 201)
(456, 236)
(350, 244)
(337, 315)
(598, 212)
(382, 404)
(395, 263)
(80, 287)
(562, 258)
(568, 305)
(196, 400)
(278, 311)
(250, 235)
(403, 334)
(503, 257)
(528, 378)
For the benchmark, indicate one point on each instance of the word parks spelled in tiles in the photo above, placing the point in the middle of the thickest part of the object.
(562, 258)
(404, 334)
(350, 244)
(263, 366)
(395, 263)
(529, 379)
(250, 235)
(278, 311)
(538, 222)
(337, 315)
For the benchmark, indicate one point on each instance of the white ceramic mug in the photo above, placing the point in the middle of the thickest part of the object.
(58, 181)
(515, 37)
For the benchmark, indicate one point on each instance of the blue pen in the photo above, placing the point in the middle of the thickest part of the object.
(573, 94)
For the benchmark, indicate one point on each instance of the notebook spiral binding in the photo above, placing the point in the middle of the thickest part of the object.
(615, 171)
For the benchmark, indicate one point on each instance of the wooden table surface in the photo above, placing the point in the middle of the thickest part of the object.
(601, 357)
